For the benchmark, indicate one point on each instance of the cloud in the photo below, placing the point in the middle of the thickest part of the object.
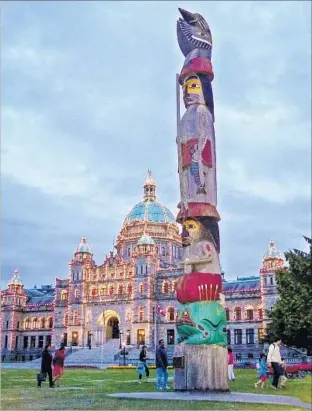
(89, 104)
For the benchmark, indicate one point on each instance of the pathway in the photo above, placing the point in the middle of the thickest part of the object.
(224, 397)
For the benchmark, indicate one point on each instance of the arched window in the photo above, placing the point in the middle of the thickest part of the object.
(249, 314)
(111, 290)
(75, 318)
(141, 288)
(237, 314)
(65, 321)
(35, 323)
(76, 293)
(174, 286)
(170, 314)
(129, 289)
(103, 290)
(27, 323)
(227, 313)
(50, 322)
(64, 295)
(120, 289)
(260, 313)
(141, 314)
(129, 251)
(42, 322)
(163, 251)
(94, 292)
(165, 287)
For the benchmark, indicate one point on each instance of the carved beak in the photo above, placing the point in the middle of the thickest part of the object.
(188, 17)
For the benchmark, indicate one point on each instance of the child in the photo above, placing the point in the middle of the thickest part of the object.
(230, 365)
(262, 371)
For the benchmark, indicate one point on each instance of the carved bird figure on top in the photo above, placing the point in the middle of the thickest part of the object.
(194, 35)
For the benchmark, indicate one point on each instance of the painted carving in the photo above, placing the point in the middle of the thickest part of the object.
(199, 323)
(202, 318)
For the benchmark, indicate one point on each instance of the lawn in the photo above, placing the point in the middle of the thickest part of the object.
(87, 389)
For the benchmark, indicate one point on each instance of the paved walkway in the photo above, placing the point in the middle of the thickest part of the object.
(225, 397)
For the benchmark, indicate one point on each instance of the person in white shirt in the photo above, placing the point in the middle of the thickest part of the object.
(274, 361)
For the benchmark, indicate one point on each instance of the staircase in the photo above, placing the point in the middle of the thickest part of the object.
(97, 356)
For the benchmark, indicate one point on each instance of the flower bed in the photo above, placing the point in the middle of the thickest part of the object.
(80, 366)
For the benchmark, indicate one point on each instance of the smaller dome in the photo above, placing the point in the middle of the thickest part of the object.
(83, 247)
(272, 252)
(15, 280)
(146, 239)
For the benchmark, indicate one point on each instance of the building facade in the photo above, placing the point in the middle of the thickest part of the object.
(130, 296)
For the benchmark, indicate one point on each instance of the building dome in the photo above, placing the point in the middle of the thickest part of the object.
(272, 252)
(146, 239)
(83, 247)
(15, 280)
(149, 209)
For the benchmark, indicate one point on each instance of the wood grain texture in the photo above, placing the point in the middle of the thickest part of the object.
(205, 368)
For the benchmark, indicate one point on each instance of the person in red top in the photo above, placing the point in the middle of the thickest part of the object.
(58, 364)
(231, 365)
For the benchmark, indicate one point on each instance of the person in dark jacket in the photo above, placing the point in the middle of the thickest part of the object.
(142, 364)
(161, 367)
(46, 365)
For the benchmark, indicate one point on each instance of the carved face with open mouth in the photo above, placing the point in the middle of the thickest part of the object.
(205, 323)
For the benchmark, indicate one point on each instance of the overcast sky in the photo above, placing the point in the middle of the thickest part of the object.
(88, 105)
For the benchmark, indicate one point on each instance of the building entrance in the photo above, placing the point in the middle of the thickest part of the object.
(112, 328)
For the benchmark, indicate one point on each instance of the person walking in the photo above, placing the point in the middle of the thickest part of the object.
(46, 365)
(274, 361)
(231, 365)
(142, 364)
(161, 367)
(262, 371)
(58, 364)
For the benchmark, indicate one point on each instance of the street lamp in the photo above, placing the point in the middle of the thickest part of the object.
(120, 334)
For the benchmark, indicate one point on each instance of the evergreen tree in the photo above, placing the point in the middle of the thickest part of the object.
(291, 316)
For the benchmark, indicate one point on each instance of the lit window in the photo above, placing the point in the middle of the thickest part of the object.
(64, 295)
(170, 314)
(102, 290)
(76, 293)
(237, 314)
(165, 287)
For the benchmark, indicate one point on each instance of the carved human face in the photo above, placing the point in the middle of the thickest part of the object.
(192, 231)
(192, 91)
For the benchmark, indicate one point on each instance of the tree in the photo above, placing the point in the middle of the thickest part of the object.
(291, 316)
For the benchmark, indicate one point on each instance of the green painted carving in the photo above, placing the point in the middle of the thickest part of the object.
(202, 323)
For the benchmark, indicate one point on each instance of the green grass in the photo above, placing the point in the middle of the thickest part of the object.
(87, 389)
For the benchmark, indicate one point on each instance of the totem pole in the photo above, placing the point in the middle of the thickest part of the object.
(200, 355)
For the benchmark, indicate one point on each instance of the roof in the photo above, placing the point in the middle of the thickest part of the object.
(36, 296)
(242, 285)
(150, 211)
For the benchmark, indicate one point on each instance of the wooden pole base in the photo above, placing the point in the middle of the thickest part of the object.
(204, 368)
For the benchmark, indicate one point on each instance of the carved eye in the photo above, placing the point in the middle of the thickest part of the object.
(206, 334)
(193, 85)
(201, 328)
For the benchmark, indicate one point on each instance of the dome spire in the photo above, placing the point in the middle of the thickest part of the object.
(149, 188)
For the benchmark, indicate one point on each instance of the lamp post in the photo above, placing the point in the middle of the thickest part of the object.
(120, 334)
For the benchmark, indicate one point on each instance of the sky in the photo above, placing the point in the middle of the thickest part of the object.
(88, 105)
